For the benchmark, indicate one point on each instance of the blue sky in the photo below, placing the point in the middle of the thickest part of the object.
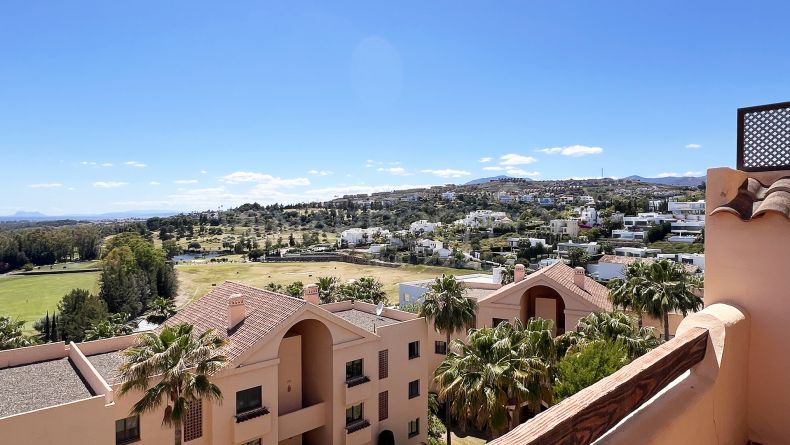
(109, 106)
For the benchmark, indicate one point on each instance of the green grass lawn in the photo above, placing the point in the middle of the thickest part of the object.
(195, 280)
(29, 297)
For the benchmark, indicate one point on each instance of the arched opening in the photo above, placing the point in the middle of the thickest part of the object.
(386, 438)
(303, 379)
(544, 302)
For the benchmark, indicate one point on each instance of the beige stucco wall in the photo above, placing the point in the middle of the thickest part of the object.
(747, 264)
(85, 422)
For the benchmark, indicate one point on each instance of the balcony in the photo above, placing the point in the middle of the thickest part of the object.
(251, 424)
(357, 390)
(358, 433)
(301, 421)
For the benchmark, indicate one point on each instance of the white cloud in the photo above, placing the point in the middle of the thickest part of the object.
(519, 172)
(71, 188)
(514, 159)
(263, 179)
(154, 183)
(185, 181)
(135, 164)
(693, 146)
(573, 150)
(494, 168)
(109, 184)
(676, 175)
(107, 164)
(320, 172)
(203, 172)
(96, 164)
(447, 173)
(47, 185)
(396, 171)
(485, 159)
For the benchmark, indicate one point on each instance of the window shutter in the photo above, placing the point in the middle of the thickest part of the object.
(384, 364)
(384, 407)
(193, 424)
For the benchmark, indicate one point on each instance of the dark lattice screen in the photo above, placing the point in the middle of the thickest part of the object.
(384, 405)
(193, 424)
(384, 364)
(764, 137)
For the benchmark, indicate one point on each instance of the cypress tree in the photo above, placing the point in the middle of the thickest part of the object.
(54, 332)
(47, 337)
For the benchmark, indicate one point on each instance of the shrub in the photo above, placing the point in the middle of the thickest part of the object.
(581, 367)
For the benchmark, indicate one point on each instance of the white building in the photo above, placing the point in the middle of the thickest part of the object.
(645, 220)
(589, 216)
(526, 198)
(424, 225)
(476, 286)
(484, 218)
(638, 252)
(448, 196)
(568, 227)
(683, 209)
(628, 235)
(592, 248)
(429, 247)
(696, 259)
(357, 236)
(505, 198)
(546, 201)
(587, 199)
(688, 227)
(533, 242)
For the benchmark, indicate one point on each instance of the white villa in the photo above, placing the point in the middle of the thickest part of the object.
(639, 252)
(484, 218)
(568, 227)
(589, 216)
(424, 225)
(357, 236)
(591, 248)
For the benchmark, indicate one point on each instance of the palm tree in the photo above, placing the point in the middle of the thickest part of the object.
(173, 368)
(327, 287)
(497, 371)
(612, 327)
(626, 293)
(161, 310)
(668, 286)
(115, 325)
(450, 311)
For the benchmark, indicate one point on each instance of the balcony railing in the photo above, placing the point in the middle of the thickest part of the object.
(357, 426)
(590, 413)
(355, 381)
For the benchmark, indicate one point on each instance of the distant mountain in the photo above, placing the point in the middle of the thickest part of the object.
(679, 181)
(494, 178)
(133, 214)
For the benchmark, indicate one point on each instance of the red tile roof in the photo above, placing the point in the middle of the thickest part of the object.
(562, 274)
(265, 312)
(755, 199)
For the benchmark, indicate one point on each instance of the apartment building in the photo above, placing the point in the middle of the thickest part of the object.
(424, 226)
(569, 227)
(297, 373)
(591, 248)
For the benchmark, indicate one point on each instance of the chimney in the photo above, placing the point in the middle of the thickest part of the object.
(578, 277)
(519, 273)
(311, 294)
(237, 310)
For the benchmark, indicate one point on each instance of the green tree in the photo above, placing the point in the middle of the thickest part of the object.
(11, 334)
(586, 364)
(161, 309)
(366, 289)
(613, 327)
(115, 325)
(498, 367)
(327, 288)
(450, 311)
(79, 310)
(295, 289)
(577, 257)
(171, 248)
(172, 368)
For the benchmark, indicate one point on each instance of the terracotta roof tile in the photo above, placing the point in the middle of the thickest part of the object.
(265, 312)
(593, 291)
(755, 199)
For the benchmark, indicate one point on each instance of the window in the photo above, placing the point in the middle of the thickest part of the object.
(384, 364)
(414, 389)
(384, 405)
(495, 322)
(414, 427)
(353, 414)
(248, 400)
(414, 349)
(354, 369)
(127, 430)
(440, 347)
(253, 442)
(193, 423)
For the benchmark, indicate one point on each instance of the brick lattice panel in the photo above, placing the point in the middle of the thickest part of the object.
(193, 424)
(384, 364)
(384, 405)
(765, 138)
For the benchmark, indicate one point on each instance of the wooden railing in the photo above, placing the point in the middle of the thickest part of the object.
(590, 413)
